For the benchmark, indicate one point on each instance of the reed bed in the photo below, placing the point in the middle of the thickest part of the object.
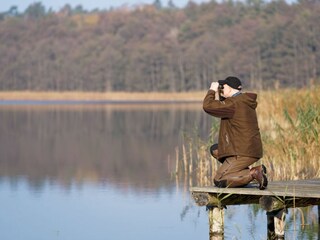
(289, 121)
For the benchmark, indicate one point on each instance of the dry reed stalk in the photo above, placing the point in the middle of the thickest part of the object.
(177, 160)
(203, 175)
(185, 161)
(190, 158)
(190, 181)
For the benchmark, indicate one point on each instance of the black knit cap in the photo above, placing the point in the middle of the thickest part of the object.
(233, 82)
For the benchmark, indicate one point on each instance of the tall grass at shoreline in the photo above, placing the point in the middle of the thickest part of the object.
(291, 139)
(289, 122)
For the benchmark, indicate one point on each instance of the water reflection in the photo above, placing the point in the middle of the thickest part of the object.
(107, 169)
(124, 145)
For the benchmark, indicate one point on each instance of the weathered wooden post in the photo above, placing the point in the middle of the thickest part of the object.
(276, 213)
(216, 223)
(318, 221)
(270, 227)
(279, 224)
(215, 212)
(276, 224)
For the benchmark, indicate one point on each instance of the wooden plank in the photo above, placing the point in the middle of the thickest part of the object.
(305, 188)
(268, 192)
(220, 200)
(271, 203)
(298, 182)
(275, 199)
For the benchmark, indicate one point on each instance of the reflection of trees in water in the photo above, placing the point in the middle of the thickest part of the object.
(126, 146)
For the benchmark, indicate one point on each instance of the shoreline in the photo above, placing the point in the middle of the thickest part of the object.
(101, 97)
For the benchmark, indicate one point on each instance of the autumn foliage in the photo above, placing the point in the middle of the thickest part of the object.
(153, 48)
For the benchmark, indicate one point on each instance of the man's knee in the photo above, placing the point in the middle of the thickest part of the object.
(220, 183)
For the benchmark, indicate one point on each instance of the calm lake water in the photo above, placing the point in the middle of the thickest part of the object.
(104, 172)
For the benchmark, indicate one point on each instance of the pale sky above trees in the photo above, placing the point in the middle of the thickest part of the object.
(86, 4)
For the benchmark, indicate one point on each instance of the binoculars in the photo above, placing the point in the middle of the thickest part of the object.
(220, 91)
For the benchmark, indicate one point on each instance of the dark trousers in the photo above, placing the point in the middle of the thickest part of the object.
(234, 172)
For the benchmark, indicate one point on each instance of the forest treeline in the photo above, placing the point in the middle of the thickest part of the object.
(156, 48)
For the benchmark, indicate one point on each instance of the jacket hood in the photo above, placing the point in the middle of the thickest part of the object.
(251, 99)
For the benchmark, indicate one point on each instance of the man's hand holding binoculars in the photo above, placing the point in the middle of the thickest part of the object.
(214, 86)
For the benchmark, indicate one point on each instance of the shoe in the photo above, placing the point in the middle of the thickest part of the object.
(258, 173)
(214, 150)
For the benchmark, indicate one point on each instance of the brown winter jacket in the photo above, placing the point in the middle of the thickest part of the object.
(239, 132)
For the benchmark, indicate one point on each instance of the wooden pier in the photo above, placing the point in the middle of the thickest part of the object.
(278, 197)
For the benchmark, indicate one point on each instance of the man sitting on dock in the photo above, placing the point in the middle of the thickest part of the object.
(239, 144)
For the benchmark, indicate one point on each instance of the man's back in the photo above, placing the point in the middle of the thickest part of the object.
(239, 134)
